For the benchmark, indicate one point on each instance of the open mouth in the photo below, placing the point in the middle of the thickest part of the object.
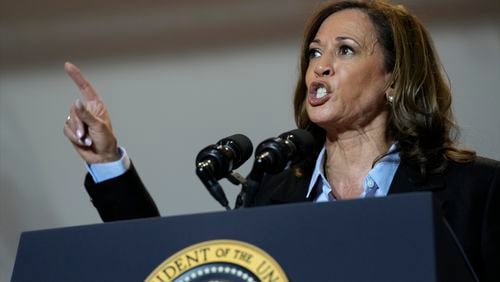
(319, 90)
(319, 93)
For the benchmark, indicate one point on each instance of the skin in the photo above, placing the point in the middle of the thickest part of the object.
(89, 126)
(346, 58)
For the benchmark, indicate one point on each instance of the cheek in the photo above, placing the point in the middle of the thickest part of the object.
(309, 76)
(363, 81)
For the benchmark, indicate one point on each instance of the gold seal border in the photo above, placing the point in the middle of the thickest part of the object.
(243, 254)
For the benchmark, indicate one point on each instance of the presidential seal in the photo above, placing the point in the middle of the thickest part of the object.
(219, 261)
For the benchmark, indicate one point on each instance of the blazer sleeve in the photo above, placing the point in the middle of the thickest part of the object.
(122, 197)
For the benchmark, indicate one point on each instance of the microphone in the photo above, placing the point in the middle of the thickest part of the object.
(217, 161)
(273, 155)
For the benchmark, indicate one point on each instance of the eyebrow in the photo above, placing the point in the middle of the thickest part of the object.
(338, 39)
(316, 41)
(341, 38)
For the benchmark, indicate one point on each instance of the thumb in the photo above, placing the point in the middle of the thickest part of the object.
(84, 115)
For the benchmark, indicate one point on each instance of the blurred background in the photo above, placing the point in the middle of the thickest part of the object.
(177, 76)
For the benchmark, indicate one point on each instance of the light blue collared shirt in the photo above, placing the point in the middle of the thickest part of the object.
(376, 183)
(103, 171)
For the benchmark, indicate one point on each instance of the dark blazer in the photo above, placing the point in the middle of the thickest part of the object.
(469, 195)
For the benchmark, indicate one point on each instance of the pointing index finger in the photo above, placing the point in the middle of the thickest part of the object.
(83, 84)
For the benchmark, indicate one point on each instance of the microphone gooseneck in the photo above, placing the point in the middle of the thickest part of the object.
(217, 161)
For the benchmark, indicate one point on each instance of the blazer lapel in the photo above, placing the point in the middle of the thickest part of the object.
(407, 180)
(291, 191)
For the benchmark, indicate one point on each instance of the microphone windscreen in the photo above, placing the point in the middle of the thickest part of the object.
(242, 145)
(302, 139)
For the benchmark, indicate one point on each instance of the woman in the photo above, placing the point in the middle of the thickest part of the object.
(372, 92)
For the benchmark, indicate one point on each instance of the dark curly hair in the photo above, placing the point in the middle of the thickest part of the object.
(420, 117)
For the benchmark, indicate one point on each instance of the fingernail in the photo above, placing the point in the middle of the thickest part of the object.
(78, 104)
(88, 141)
(79, 133)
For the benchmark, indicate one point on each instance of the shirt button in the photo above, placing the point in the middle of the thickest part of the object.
(370, 183)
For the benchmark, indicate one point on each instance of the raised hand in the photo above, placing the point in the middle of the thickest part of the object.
(88, 125)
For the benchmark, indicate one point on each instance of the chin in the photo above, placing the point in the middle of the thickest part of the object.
(322, 122)
(321, 117)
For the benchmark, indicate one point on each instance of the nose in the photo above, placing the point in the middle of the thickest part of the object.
(323, 68)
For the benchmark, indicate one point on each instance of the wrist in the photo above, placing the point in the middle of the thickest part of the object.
(112, 156)
(104, 171)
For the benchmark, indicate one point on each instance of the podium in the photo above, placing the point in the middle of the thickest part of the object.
(395, 238)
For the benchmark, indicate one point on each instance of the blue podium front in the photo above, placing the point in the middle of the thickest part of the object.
(395, 238)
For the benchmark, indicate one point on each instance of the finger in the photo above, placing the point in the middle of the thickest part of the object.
(87, 141)
(75, 124)
(84, 115)
(83, 84)
(70, 134)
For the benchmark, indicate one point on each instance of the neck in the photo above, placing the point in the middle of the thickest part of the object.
(355, 147)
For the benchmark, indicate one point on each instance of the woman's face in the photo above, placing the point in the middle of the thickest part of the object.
(345, 79)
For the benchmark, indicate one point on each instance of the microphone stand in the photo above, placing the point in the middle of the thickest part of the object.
(212, 185)
(251, 184)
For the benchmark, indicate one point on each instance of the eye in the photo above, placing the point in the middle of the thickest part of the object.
(345, 50)
(314, 53)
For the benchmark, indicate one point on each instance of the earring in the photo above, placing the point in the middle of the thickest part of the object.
(390, 99)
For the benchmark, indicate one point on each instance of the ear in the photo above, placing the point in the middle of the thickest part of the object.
(390, 91)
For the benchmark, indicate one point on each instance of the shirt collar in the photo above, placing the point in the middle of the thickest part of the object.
(382, 173)
(318, 173)
(384, 170)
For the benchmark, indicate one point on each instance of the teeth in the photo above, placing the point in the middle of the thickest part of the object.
(320, 92)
